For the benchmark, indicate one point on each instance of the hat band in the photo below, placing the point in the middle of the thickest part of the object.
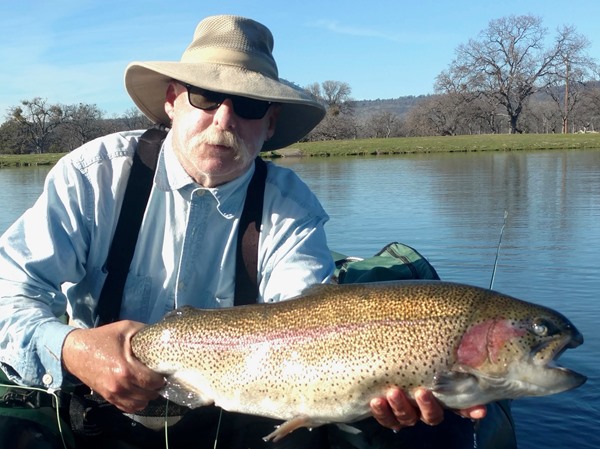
(254, 62)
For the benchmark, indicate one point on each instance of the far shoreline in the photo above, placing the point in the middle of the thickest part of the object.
(389, 146)
(440, 144)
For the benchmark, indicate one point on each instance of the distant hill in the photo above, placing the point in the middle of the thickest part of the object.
(399, 106)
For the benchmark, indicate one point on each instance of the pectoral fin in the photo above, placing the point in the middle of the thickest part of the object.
(457, 389)
(453, 382)
(184, 391)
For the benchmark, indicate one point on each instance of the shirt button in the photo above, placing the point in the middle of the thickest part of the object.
(47, 379)
(200, 192)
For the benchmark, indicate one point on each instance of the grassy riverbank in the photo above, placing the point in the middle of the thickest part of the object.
(24, 160)
(459, 144)
(400, 145)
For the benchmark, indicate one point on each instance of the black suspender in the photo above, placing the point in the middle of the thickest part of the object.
(246, 287)
(135, 200)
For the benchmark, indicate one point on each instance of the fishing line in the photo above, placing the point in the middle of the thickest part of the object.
(218, 428)
(167, 424)
(56, 401)
(498, 250)
(477, 423)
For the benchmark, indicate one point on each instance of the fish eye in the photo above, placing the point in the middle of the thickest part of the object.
(539, 329)
(543, 328)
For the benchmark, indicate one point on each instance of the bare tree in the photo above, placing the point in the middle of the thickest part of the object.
(383, 124)
(315, 90)
(134, 119)
(588, 114)
(83, 122)
(336, 95)
(574, 68)
(339, 123)
(441, 115)
(508, 63)
(37, 121)
(335, 127)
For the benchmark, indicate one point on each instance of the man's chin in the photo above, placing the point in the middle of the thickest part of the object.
(220, 171)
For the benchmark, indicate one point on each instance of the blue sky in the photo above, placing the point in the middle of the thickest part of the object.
(75, 51)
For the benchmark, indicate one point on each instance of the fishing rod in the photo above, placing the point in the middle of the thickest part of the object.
(498, 249)
(477, 423)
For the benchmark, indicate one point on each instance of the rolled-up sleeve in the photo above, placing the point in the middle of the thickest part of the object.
(56, 245)
(42, 250)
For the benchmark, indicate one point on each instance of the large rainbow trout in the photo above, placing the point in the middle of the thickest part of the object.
(321, 357)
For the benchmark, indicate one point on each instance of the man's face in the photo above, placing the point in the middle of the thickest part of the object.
(215, 146)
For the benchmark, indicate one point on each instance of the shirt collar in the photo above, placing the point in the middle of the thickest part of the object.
(170, 176)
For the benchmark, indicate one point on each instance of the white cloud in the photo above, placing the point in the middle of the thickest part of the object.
(335, 27)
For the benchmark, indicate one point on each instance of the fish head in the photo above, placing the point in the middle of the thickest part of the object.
(510, 350)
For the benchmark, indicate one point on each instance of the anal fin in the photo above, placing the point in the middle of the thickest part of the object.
(289, 426)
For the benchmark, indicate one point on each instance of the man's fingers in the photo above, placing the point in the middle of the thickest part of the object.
(146, 378)
(383, 414)
(395, 410)
(431, 411)
(130, 405)
(476, 412)
(404, 411)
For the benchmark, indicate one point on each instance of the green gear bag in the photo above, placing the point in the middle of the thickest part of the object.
(395, 261)
(33, 405)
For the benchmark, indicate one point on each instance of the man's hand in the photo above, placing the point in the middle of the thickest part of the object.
(102, 359)
(396, 410)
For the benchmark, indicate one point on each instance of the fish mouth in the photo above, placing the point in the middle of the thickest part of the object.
(545, 356)
(556, 347)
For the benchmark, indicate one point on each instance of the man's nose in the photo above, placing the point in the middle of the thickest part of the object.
(225, 116)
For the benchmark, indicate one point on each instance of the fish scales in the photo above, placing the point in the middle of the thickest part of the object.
(322, 357)
(300, 340)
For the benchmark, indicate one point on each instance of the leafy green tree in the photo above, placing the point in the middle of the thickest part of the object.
(10, 138)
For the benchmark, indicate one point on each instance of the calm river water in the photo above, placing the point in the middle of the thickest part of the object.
(450, 207)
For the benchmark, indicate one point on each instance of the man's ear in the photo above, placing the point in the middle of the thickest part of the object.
(274, 112)
(170, 97)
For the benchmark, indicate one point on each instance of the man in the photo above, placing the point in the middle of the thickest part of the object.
(224, 103)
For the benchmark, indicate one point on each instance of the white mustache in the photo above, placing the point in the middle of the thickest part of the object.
(212, 136)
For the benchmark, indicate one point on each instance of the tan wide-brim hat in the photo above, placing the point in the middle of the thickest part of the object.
(232, 55)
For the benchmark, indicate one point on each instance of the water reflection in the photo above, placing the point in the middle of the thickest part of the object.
(444, 203)
(451, 207)
(19, 188)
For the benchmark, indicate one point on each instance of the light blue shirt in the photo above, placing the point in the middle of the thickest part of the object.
(52, 258)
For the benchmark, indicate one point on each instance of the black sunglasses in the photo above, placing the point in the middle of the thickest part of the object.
(208, 100)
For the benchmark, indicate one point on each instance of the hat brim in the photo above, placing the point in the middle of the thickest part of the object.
(146, 83)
